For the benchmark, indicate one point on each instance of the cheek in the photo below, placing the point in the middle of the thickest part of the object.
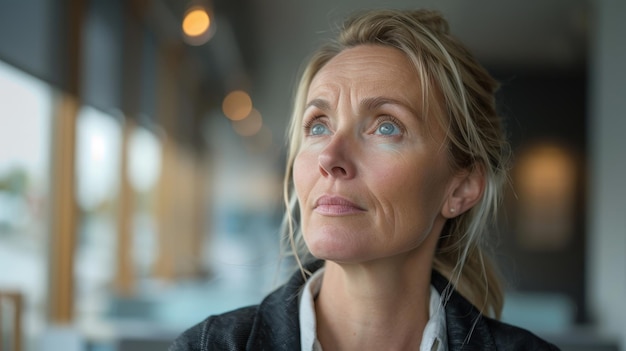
(413, 188)
(302, 175)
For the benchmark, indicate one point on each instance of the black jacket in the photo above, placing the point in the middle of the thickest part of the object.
(274, 325)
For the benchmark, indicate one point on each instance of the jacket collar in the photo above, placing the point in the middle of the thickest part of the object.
(467, 329)
(278, 325)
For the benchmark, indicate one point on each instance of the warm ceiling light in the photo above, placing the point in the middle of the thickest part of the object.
(196, 22)
(250, 125)
(546, 180)
(546, 171)
(237, 105)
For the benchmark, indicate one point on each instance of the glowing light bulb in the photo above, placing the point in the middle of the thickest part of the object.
(196, 22)
(237, 105)
(250, 125)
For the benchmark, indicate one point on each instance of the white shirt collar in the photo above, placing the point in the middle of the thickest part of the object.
(434, 337)
(308, 330)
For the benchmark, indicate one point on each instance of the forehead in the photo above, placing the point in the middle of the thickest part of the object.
(372, 72)
(372, 69)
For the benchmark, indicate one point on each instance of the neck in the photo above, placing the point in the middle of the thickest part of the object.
(375, 305)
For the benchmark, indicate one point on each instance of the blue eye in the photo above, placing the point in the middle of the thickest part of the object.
(387, 128)
(318, 129)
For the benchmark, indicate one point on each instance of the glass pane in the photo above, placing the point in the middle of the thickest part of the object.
(98, 142)
(144, 169)
(25, 125)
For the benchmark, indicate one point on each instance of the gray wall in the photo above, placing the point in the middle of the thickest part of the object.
(607, 205)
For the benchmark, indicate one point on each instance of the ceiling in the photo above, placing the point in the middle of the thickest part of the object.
(259, 45)
(277, 35)
(508, 32)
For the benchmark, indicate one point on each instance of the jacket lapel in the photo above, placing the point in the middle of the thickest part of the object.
(277, 326)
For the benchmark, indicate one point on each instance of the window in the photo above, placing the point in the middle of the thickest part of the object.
(25, 130)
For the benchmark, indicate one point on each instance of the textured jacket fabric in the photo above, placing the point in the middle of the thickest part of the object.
(274, 325)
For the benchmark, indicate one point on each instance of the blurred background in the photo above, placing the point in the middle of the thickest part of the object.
(142, 152)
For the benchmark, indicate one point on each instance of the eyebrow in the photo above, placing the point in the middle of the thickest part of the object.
(376, 102)
(369, 103)
(319, 103)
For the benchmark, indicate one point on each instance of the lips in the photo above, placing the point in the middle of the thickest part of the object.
(336, 206)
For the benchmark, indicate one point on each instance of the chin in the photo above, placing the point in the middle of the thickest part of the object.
(336, 250)
(340, 243)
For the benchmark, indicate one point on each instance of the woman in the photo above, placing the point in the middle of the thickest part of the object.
(395, 165)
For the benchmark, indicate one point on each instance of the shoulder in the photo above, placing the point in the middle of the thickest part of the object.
(509, 337)
(272, 325)
(468, 329)
(228, 331)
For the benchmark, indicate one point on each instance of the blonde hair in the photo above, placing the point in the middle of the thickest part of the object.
(474, 139)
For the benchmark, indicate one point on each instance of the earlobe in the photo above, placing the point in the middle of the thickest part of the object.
(467, 189)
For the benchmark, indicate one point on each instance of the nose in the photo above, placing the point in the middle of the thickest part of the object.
(336, 159)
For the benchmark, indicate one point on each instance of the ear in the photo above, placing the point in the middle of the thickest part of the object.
(466, 190)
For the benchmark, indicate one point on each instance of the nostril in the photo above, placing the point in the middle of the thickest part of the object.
(333, 171)
(339, 171)
(334, 161)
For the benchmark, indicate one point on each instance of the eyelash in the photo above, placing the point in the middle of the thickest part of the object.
(392, 119)
(309, 123)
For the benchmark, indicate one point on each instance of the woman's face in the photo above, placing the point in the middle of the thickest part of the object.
(372, 173)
